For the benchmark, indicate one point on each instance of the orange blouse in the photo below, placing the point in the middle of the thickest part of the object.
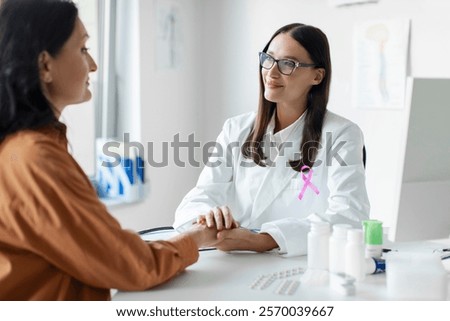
(58, 241)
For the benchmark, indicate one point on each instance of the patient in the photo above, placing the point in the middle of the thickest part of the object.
(57, 240)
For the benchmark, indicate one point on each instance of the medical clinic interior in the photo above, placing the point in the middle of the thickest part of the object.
(184, 94)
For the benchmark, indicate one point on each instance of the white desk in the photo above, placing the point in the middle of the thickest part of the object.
(220, 276)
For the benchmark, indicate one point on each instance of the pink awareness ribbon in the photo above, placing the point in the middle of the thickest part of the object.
(307, 180)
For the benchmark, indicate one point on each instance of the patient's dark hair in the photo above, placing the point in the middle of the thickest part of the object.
(27, 28)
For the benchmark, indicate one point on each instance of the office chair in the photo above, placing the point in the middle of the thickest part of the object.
(364, 155)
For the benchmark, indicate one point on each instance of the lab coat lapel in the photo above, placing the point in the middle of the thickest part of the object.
(275, 180)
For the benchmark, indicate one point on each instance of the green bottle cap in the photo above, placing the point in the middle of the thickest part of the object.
(373, 232)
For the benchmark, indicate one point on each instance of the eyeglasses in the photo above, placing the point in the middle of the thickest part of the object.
(285, 66)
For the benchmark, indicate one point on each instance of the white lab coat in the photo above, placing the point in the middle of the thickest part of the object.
(266, 198)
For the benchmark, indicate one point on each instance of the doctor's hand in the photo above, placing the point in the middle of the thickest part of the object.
(219, 218)
(243, 239)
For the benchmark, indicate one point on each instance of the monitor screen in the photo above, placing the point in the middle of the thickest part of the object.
(424, 207)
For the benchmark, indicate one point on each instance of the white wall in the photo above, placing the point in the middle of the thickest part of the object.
(128, 69)
(80, 119)
(171, 103)
(219, 79)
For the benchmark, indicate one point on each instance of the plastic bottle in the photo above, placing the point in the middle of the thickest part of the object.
(354, 254)
(318, 245)
(338, 241)
(373, 237)
(415, 276)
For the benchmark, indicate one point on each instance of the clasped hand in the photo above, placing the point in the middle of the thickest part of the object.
(229, 235)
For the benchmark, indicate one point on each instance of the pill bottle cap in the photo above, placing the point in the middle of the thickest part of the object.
(340, 230)
(355, 235)
(320, 227)
(373, 232)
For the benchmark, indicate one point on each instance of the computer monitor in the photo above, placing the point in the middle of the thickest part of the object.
(424, 207)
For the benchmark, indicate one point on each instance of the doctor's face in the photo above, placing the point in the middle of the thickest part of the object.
(289, 89)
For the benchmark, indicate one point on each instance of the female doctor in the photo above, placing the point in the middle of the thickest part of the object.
(291, 163)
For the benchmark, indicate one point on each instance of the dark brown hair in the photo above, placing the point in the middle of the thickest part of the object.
(316, 44)
(27, 28)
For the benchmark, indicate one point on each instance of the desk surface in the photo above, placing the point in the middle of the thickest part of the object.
(221, 276)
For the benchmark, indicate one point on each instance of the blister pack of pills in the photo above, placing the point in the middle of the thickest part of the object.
(287, 286)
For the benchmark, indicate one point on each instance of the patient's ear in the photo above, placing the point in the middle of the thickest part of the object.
(319, 75)
(45, 67)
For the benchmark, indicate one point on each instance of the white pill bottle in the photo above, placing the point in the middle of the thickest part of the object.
(355, 264)
(318, 245)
